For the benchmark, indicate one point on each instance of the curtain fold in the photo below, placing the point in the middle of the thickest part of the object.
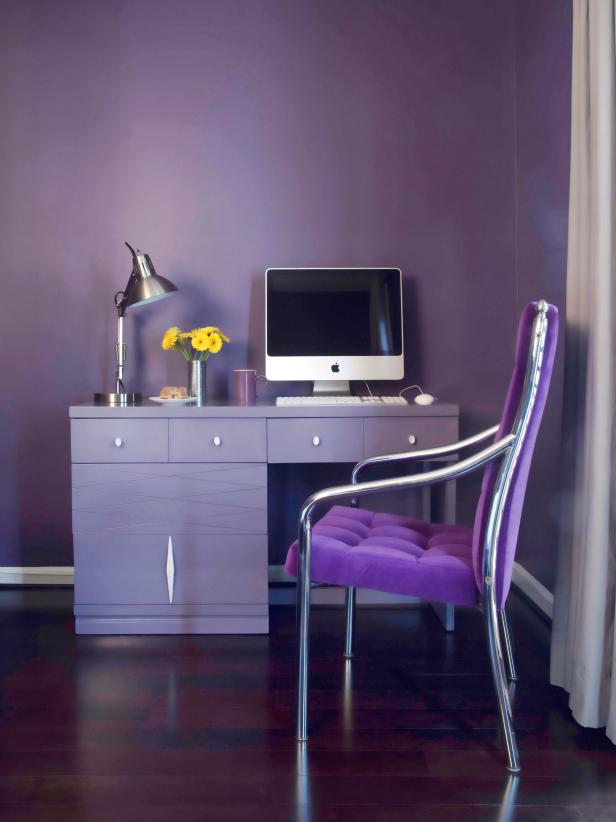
(583, 637)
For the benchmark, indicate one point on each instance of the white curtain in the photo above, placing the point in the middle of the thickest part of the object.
(583, 636)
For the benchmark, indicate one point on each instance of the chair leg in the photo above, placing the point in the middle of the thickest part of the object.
(349, 608)
(512, 673)
(303, 631)
(490, 615)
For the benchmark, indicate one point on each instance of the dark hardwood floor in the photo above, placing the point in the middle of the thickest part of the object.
(201, 728)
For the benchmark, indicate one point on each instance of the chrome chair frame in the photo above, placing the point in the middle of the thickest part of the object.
(508, 449)
(417, 456)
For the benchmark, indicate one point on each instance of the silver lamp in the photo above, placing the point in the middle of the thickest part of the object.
(144, 286)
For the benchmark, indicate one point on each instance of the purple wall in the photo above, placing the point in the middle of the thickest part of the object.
(224, 137)
(543, 32)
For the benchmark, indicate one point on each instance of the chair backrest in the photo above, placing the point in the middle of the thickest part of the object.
(504, 482)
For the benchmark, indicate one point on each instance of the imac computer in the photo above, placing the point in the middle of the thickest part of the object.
(333, 325)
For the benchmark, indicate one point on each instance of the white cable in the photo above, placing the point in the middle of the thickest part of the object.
(368, 387)
(408, 388)
(257, 378)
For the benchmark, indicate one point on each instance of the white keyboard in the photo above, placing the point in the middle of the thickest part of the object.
(348, 400)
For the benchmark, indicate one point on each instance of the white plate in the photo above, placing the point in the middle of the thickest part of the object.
(176, 401)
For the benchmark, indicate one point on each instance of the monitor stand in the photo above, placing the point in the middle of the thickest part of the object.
(331, 388)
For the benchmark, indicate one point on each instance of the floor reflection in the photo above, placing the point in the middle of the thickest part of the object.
(507, 806)
(347, 695)
(304, 797)
(305, 810)
(171, 703)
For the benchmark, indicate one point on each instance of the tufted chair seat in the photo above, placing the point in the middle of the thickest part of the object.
(386, 552)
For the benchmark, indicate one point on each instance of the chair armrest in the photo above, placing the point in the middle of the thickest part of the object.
(426, 454)
(449, 472)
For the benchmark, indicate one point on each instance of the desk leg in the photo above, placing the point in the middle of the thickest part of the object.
(426, 503)
(444, 611)
(449, 513)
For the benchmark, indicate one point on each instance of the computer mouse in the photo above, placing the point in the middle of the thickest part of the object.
(424, 399)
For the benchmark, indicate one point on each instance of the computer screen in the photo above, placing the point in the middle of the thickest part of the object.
(334, 323)
(333, 312)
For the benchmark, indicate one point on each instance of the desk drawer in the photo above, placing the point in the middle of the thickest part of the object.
(135, 570)
(119, 440)
(217, 440)
(170, 498)
(396, 434)
(314, 440)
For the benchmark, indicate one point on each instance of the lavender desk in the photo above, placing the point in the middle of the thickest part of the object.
(170, 504)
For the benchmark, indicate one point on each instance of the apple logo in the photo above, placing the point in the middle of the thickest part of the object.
(335, 368)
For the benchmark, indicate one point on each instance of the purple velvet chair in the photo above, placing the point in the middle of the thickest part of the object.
(444, 563)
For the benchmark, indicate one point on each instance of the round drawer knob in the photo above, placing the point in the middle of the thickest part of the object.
(316, 440)
(118, 442)
(412, 439)
(217, 441)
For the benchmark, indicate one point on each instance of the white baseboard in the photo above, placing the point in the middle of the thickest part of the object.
(44, 575)
(64, 575)
(533, 589)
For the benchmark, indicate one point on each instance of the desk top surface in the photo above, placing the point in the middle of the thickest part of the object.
(262, 410)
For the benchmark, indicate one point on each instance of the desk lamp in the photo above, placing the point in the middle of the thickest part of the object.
(144, 286)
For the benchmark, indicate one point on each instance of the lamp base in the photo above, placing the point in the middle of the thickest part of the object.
(117, 399)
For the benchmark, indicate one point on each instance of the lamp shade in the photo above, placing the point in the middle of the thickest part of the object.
(145, 285)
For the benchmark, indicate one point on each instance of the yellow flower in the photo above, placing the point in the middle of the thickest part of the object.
(200, 340)
(170, 338)
(185, 335)
(212, 329)
(215, 342)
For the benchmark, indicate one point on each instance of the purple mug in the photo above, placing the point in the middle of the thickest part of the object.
(245, 386)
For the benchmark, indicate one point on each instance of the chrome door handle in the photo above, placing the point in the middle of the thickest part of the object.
(118, 442)
(412, 439)
(316, 440)
(170, 570)
(217, 441)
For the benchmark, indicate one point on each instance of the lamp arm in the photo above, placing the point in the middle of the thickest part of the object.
(121, 297)
(120, 354)
(121, 300)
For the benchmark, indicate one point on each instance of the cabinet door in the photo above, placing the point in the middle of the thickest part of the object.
(170, 571)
